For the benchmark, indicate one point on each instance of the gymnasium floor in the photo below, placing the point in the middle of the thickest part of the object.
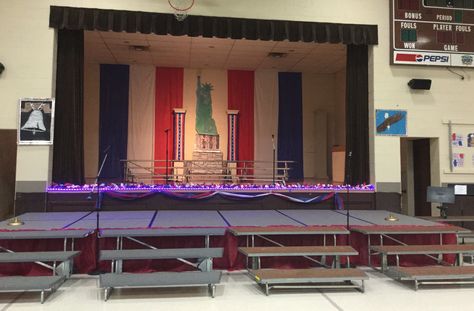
(238, 292)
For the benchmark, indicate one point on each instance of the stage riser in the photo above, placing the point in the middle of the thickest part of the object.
(85, 263)
(58, 202)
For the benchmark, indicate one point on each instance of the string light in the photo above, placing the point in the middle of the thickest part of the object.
(128, 187)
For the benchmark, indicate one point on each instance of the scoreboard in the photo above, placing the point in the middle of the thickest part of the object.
(432, 32)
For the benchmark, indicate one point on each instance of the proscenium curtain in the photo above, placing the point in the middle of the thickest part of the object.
(240, 88)
(290, 122)
(68, 148)
(113, 119)
(210, 26)
(168, 95)
(357, 115)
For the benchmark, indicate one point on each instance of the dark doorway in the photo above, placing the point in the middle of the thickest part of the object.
(7, 171)
(421, 175)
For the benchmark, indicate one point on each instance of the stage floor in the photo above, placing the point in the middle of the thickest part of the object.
(207, 218)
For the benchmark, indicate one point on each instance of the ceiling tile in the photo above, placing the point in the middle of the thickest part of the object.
(125, 41)
(92, 36)
(245, 42)
(168, 38)
(169, 45)
(170, 51)
(111, 34)
(212, 41)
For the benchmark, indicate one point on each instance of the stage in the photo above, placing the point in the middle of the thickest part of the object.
(207, 219)
(130, 221)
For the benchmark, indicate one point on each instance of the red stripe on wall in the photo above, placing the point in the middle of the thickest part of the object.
(168, 95)
(240, 85)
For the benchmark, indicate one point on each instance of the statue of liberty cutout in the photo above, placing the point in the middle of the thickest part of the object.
(207, 158)
(207, 137)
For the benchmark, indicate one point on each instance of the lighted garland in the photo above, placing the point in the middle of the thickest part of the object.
(191, 187)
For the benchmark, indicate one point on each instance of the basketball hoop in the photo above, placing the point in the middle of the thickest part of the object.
(181, 8)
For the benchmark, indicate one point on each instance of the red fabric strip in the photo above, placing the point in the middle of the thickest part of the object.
(168, 95)
(240, 85)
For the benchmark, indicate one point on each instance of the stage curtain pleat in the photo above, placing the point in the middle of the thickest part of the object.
(168, 95)
(141, 113)
(241, 89)
(210, 26)
(266, 118)
(290, 122)
(357, 115)
(68, 148)
(113, 119)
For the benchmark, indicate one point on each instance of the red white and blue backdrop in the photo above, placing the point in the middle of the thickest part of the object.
(130, 107)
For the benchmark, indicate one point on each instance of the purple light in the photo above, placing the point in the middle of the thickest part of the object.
(124, 187)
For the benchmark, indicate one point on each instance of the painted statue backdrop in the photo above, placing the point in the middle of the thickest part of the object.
(205, 124)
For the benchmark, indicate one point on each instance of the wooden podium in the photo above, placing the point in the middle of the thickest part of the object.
(338, 164)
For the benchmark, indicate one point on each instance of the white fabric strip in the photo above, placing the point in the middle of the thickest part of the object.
(141, 112)
(266, 116)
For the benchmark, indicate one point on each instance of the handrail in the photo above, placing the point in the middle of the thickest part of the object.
(202, 171)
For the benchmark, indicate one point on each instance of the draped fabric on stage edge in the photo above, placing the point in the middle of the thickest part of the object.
(68, 148)
(231, 259)
(290, 122)
(168, 95)
(241, 97)
(113, 119)
(357, 115)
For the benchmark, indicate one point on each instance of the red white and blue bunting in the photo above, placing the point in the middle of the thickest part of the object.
(338, 202)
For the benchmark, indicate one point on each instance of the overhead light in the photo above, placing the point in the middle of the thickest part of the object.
(140, 48)
(277, 55)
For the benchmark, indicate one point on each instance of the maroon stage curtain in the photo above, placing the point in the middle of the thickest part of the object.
(240, 88)
(168, 95)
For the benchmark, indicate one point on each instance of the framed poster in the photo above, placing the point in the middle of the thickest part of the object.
(35, 121)
(391, 122)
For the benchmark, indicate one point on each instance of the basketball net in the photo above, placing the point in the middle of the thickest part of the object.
(181, 8)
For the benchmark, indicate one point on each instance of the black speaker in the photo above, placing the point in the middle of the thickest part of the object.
(420, 84)
(2, 68)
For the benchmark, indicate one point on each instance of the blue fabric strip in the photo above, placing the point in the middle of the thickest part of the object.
(290, 122)
(113, 120)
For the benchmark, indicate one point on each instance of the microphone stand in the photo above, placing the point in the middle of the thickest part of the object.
(348, 180)
(166, 172)
(274, 158)
(98, 207)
